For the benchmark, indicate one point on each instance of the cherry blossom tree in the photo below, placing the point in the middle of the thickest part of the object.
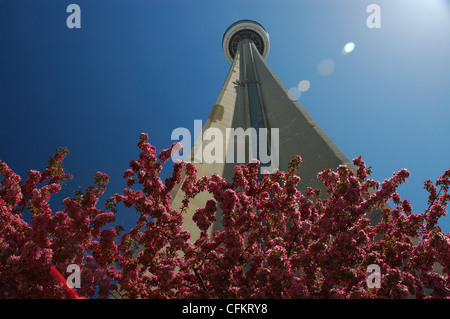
(276, 242)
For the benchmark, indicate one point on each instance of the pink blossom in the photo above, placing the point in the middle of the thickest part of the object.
(275, 241)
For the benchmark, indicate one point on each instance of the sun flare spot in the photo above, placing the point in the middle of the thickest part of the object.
(349, 47)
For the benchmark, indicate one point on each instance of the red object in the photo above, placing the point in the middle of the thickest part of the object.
(60, 277)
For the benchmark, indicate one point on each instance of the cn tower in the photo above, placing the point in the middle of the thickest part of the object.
(252, 96)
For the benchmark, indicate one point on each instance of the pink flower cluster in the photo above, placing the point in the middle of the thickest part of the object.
(31, 253)
(276, 242)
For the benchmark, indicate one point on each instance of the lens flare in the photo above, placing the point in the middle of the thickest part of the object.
(349, 47)
(326, 67)
(294, 94)
(304, 86)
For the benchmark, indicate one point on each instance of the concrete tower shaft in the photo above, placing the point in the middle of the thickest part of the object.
(253, 97)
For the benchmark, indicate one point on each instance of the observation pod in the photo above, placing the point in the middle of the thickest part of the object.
(245, 29)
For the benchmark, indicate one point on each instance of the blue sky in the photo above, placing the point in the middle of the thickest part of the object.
(153, 66)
